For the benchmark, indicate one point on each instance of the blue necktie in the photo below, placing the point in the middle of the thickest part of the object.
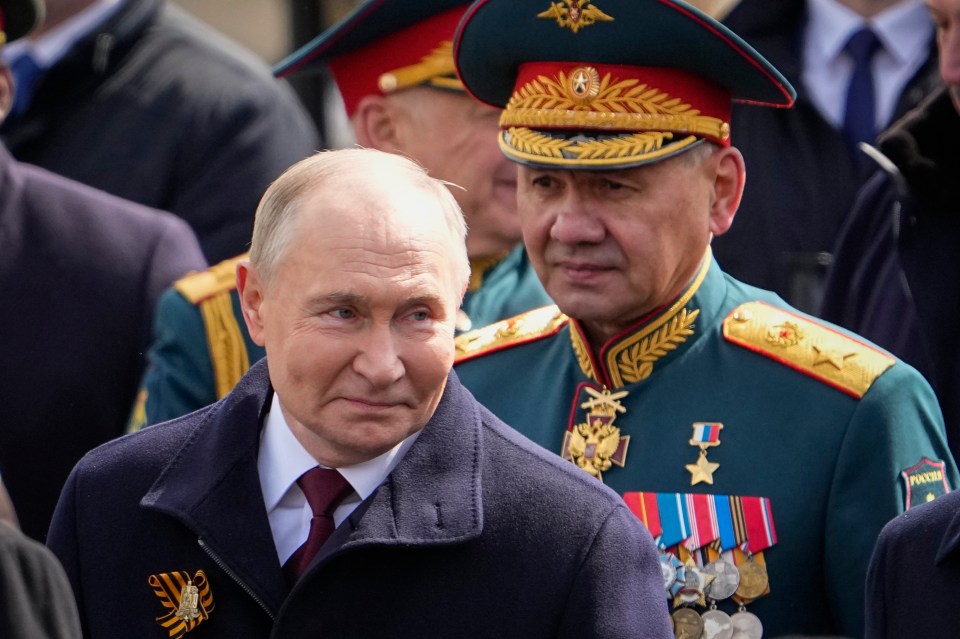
(26, 72)
(860, 114)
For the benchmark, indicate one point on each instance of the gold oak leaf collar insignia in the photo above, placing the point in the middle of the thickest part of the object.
(188, 600)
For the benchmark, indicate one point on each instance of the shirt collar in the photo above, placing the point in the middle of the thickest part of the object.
(52, 45)
(282, 459)
(904, 29)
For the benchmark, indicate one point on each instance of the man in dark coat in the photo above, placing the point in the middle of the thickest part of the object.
(37, 601)
(803, 175)
(445, 522)
(150, 105)
(80, 272)
(895, 278)
(914, 577)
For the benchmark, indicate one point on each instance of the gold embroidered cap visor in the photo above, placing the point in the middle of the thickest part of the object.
(608, 84)
(385, 46)
(18, 18)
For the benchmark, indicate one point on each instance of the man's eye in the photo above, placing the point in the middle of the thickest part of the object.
(419, 316)
(543, 180)
(611, 185)
(343, 313)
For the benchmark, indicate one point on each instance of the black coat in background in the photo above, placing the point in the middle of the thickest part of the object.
(896, 277)
(159, 109)
(477, 532)
(80, 272)
(35, 597)
(913, 583)
(801, 177)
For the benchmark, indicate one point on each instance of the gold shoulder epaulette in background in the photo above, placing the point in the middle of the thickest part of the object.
(819, 351)
(219, 278)
(526, 327)
(210, 291)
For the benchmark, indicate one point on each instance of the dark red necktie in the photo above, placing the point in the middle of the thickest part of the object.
(324, 489)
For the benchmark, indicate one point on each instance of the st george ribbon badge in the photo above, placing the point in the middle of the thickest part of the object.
(595, 445)
(705, 435)
(188, 600)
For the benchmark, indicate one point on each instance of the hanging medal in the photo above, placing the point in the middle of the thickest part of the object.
(647, 510)
(595, 444)
(705, 435)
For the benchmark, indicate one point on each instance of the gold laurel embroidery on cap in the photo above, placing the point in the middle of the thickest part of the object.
(632, 359)
(188, 601)
(624, 105)
(539, 322)
(438, 62)
(583, 354)
(806, 346)
(574, 14)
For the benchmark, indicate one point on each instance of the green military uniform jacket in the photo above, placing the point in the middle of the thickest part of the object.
(830, 429)
(201, 347)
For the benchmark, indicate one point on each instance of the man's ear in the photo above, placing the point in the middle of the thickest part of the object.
(375, 123)
(730, 176)
(250, 289)
(6, 91)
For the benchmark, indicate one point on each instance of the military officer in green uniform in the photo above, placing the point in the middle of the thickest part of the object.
(393, 63)
(764, 448)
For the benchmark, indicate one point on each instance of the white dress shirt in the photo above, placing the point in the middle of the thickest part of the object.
(905, 31)
(282, 459)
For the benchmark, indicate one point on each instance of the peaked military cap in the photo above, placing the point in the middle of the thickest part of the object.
(601, 84)
(18, 18)
(385, 46)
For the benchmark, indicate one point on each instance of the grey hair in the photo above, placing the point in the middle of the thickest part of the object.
(275, 225)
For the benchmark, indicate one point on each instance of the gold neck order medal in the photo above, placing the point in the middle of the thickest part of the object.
(596, 444)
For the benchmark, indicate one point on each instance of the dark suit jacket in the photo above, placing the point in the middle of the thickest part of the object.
(80, 272)
(914, 579)
(476, 533)
(157, 108)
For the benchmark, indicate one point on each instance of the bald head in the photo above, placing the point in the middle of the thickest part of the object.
(350, 183)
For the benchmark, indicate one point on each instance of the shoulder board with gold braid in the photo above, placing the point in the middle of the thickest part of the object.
(805, 345)
(210, 291)
(219, 278)
(523, 328)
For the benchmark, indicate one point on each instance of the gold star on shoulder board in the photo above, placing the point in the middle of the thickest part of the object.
(834, 357)
(702, 471)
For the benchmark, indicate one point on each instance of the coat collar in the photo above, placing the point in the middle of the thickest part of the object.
(658, 338)
(950, 542)
(922, 145)
(433, 496)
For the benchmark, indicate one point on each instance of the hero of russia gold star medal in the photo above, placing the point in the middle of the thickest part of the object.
(705, 435)
(596, 444)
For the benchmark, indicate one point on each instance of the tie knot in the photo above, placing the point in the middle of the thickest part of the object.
(324, 489)
(862, 45)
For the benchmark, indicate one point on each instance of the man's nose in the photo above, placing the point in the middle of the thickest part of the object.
(576, 223)
(378, 357)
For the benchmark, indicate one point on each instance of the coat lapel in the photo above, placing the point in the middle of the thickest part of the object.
(213, 488)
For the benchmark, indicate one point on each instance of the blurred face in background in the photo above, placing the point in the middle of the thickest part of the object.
(946, 17)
